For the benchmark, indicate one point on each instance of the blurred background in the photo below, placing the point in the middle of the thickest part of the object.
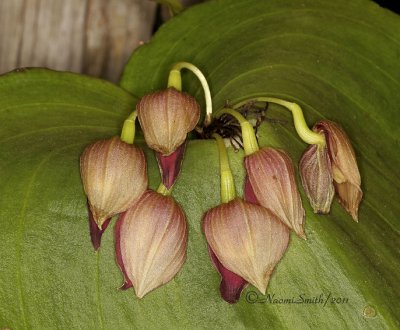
(94, 37)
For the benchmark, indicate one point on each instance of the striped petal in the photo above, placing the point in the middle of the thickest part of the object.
(247, 239)
(152, 242)
(272, 179)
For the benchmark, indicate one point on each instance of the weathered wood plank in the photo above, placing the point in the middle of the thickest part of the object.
(90, 36)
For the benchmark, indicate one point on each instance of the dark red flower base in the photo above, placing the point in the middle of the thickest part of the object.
(95, 232)
(127, 282)
(249, 195)
(231, 285)
(170, 165)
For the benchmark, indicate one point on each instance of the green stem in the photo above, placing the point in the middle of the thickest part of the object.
(300, 124)
(250, 144)
(175, 81)
(163, 190)
(228, 192)
(128, 129)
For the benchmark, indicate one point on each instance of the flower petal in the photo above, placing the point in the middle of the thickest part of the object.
(346, 176)
(316, 177)
(127, 282)
(272, 178)
(113, 176)
(247, 239)
(232, 284)
(166, 117)
(170, 165)
(95, 232)
(153, 240)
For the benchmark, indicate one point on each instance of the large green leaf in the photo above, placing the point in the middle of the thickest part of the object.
(338, 60)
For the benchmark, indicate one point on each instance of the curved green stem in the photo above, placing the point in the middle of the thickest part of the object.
(175, 81)
(300, 124)
(250, 144)
(128, 129)
(163, 190)
(228, 192)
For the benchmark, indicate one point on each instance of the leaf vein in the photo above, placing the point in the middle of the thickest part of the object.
(47, 129)
(254, 19)
(71, 105)
(21, 229)
(284, 35)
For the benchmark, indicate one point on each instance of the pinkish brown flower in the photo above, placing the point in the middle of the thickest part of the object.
(247, 239)
(316, 177)
(339, 168)
(113, 175)
(151, 241)
(166, 117)
(271, 181)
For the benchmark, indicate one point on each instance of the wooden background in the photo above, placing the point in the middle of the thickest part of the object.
(95, 37)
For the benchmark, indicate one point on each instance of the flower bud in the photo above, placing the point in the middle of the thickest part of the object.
(271, 177)
(166, 117)
(345, 174)
(113, 175)
(151, 241)
(316, 177)
(247, 239)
